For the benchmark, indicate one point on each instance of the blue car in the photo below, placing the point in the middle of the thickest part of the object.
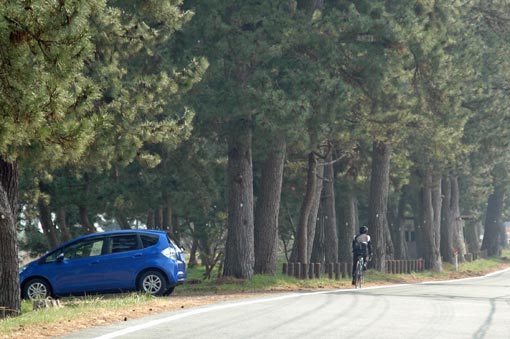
(107, 262)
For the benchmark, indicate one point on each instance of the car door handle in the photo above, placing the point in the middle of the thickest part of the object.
(94, 262)
(137, 255)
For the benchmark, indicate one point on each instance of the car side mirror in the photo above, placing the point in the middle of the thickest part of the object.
(60, 257)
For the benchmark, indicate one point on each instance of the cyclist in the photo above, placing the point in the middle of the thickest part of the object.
(361, 246)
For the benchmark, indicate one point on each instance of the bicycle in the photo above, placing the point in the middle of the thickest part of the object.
(358, 273)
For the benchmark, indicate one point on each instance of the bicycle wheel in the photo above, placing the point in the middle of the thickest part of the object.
(359, 274)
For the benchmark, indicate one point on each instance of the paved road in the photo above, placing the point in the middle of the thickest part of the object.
(469, 308)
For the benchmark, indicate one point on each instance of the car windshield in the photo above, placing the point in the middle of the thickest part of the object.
(52, 257)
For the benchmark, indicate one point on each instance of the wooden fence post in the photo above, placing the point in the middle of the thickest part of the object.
(348, 270)
(318, 270)
(304, 271)
(330, 269)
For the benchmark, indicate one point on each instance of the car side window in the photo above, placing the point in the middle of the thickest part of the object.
(84, 249)
(124, 243)
(149, 240)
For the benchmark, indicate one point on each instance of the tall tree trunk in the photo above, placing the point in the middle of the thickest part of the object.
(9, 279)
(378, 201)
(472, 236)
(158, 218)
(46, 223)
(175, 228)
(329, 211)
(318, 252)
(122, 221)
(493, 222)
(167, 214)
(267, 210)
(193, 254)
(150, 220)
(240, 253)
(416, 201)
(436, 204)
(62, 224)
(82, 209)
(347, 227)
(396, 216)
(45, 218)
(314, 212)
(431, 217)
(306, 208)
(390, 250)
(459, 243)
(447, 222)
(84, 219)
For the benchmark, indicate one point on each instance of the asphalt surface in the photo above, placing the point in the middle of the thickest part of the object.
(466, 308)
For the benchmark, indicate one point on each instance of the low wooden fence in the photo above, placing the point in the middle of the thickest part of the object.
(343, 270)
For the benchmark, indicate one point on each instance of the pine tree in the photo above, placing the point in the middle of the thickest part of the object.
(96, 95)
(44, 98)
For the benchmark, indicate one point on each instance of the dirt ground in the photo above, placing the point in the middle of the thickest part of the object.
(174, 302)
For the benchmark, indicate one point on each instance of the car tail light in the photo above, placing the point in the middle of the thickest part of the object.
(170, 253)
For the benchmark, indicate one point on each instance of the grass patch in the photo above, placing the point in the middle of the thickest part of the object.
(73, 308)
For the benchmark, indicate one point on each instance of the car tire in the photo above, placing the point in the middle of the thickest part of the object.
(169, 290)
(36, 289)
(152, 282)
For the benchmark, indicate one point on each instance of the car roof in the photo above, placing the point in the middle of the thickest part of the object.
(114, 232)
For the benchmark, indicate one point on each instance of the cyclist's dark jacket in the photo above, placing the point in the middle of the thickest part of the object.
(361, 245)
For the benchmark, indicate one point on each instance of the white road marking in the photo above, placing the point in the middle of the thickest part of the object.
(206, 309)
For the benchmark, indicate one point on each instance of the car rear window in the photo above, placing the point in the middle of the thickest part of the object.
(149, 240)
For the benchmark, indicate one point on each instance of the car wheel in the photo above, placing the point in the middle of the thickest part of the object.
(152, 282)
(36, 289)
